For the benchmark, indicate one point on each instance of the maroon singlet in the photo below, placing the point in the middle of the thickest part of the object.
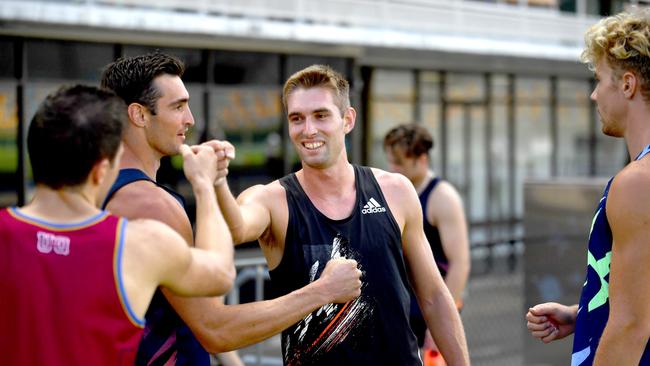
(63, 301)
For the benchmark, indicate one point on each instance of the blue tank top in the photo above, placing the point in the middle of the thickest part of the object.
(593, 309)
(431, 232)
(433, 237)
(166, 340)
(372, 329)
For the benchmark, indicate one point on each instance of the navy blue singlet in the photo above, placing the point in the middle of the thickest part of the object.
(593, 310)
(166, 340)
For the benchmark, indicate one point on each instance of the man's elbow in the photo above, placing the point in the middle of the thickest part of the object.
(631, 326)
(216, 341)
(626, 324)
(227, 277)
(231, 275)
(239, 235)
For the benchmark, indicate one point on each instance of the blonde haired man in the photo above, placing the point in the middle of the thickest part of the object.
(612, 321)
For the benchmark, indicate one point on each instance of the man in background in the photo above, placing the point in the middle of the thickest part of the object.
(407, 148)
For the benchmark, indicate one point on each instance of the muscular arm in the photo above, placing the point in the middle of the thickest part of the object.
(143, 199)
(247, 218)
(445, 210)
(628, 327)
(154, 254)
(222, 328)
(433, 296)
(247, 221)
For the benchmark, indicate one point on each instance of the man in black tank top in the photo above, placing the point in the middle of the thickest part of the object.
(331, 209)
(407, 148)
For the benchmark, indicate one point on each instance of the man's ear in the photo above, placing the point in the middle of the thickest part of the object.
(423, 159)
(99, 171)
(349, 119)
(630, 84)
(138, 114)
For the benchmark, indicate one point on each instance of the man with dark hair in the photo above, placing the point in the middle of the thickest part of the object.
(183, 330)
(76, 281)
(407, 147)
(611, 323)
(331, 209)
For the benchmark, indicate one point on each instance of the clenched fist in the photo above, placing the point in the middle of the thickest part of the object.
(341, 280)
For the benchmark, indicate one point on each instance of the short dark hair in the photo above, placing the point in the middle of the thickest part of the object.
(73, 129)
(414, 139)
(132, 77)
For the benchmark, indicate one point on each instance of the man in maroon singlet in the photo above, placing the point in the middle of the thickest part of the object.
(75, 280)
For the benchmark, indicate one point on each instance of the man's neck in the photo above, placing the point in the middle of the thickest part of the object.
(70, 204)
(637, 133)
(331, 181)
(141, 158)
(422, 181)
(331, 190)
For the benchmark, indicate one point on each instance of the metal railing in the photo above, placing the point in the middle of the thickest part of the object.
(250, 269)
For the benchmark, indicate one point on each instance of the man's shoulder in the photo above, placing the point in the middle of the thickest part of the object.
(629, 193)
(445, 193)
(633, 179)
(391, 181)
(143, 199)
(147, 229)
(263, 192)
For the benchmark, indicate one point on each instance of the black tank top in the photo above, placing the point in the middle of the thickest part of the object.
(372, 329)
(431, 232)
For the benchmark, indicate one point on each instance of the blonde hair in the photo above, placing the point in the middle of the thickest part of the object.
(316, 76)
(624, 41)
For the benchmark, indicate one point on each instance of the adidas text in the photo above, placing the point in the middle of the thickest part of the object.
(372, 207)
(373, 210)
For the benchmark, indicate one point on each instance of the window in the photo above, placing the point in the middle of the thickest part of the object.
(8, 145)
(7, 58)
(67, 60)
(192, 58)
(391, 104)
(236, 68)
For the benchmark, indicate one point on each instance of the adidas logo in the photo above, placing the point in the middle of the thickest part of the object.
(372, 207)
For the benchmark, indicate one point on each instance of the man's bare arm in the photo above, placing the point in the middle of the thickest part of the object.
(212, 233)
(434, 298)
(628, 327)
(246, 216)
(246, 219)
(222, 328)
(446, 208)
